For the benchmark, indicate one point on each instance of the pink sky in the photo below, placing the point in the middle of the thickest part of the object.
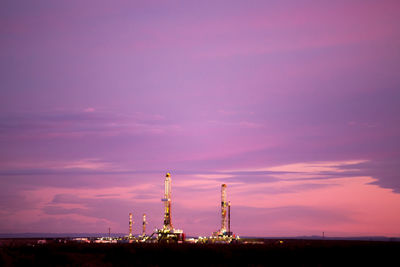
(294, 104)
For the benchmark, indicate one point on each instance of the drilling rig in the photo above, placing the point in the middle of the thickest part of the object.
(224, 205)
(130, 225)
(167, 203)
(224, 234)
(144, 225)
(168, 233)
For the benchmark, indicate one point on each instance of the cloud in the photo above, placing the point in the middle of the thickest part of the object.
(33, 166)
(76, 124)
(54, 210)
(89, 164)
(107, 195)
(89, 110)
(315, 167)
(146, 197)
(11, 202)
(308, 172)
(269, 207)
(283, 219)
(386, 171)
(97, 207)
(304, 167)
(213, 176)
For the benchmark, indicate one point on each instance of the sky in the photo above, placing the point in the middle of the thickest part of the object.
(295, 105)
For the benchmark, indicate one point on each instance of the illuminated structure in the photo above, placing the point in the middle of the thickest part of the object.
(224, 204)
(168, 233)
(224, 234)
(167, 203)
(144, 225)
(229, 219)
(130, 225)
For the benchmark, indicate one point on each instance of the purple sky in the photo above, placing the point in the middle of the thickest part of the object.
(294, 104)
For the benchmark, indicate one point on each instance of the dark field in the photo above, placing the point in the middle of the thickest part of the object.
(272, 253)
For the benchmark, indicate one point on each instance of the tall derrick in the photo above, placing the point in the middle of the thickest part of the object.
(168, 233)
(130, 224)
(144, 225)
(167, 203)
(224, 205)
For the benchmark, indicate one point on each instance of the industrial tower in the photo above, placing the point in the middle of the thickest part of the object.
(224, 205)
(144, 225)
(167, 202)
(168, 233)
(229, 219)
(224, 233)
(130, 225)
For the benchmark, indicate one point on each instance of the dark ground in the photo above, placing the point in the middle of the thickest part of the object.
(272, 253)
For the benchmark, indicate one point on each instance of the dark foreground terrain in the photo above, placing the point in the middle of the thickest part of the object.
(272, 253)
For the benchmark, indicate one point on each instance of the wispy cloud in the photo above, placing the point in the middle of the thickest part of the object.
(213, 176)
(304, 169)
(35, 167)
(90, 109)
(316, 167)
(90, 164)
(74, 124)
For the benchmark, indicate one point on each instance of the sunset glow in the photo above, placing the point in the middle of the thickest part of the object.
(295, 105)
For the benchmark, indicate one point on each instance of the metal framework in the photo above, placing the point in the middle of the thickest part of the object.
(224, 205)
(167, 203)
(144, 224)
(168, 233)
(229, 219)
(130, 224)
